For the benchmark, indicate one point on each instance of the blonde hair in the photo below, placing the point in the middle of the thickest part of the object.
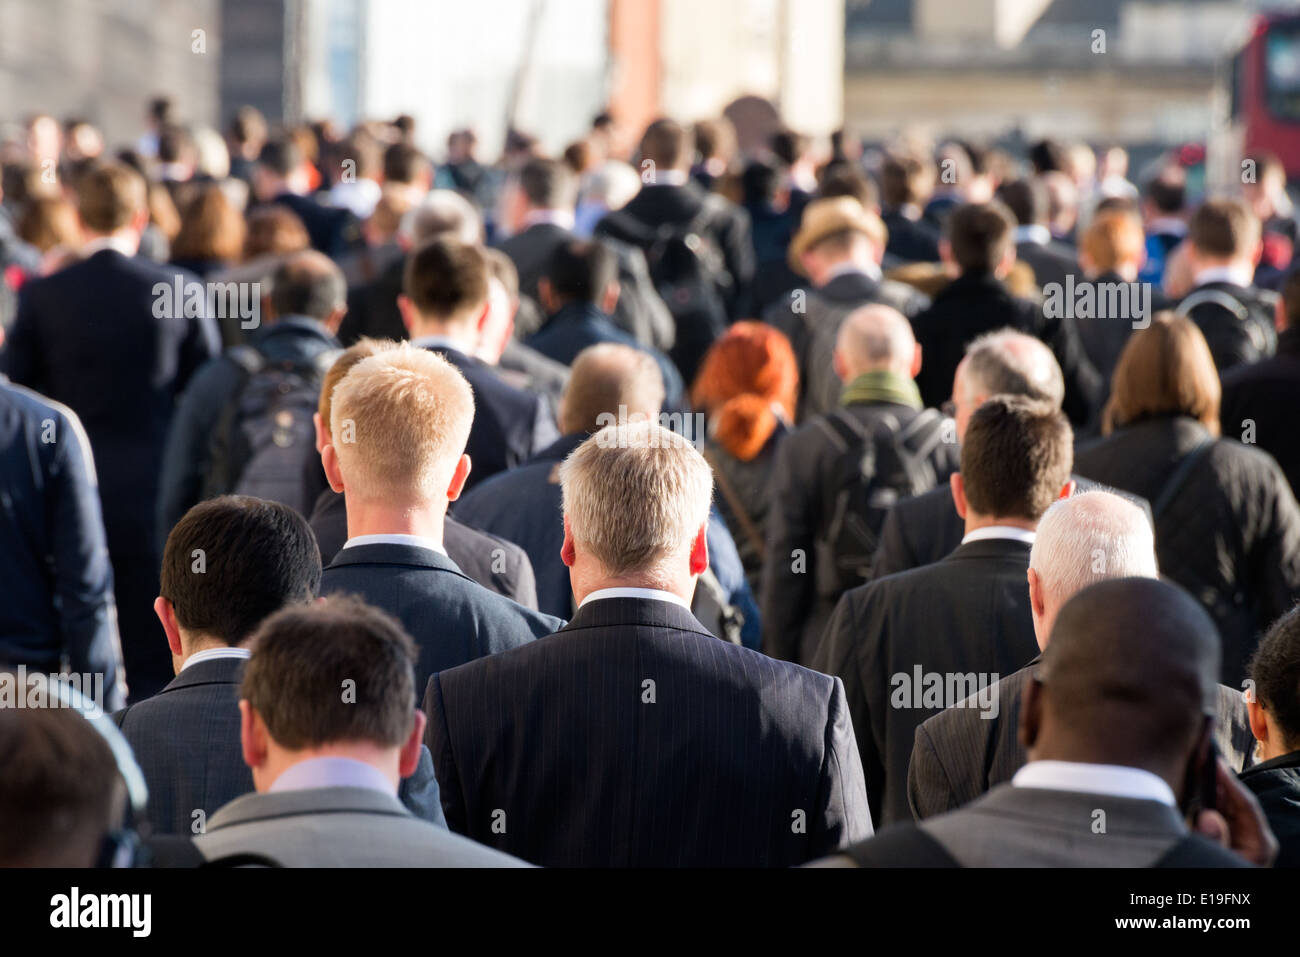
(399, 423)
(635, 495)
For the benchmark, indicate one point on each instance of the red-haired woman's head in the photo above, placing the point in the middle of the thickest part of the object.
(747, 384)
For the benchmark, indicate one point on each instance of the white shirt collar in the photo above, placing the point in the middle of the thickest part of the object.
(654, 594)
(1234, 275)
(1033, 233)
(1168, 225)
(332, 772)
(415, 541)
(441, 342)
(552, 217)
(670, 177)
(999, 531)
(208, 654)
(870, 270)
(1110, 779)
(116, 243)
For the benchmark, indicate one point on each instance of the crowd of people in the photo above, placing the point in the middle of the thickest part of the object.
(649, 504)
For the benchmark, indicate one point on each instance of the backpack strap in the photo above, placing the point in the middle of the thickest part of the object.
(1179, 476)
(923, 434)
(737, 508)
(248, 358)
(1217, 297)
(903, 845)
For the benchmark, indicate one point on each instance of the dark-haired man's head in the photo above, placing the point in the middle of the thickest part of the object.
(445, 292)
(1129, 678)
(542, 185)
(1274, 704)
(668, 145)
(1049, 156)
(841, 178)
(60, 793)
(1165, 195)
(309, 284)
(1027, 200)
(228, 564)
(580, 271)
(1223, 233)
(1016, 458)
(112, 200)
(978, 239)
(280, 168)
(334, 678)
(407, 166)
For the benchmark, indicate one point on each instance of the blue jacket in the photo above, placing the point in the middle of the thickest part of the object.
(58, 583)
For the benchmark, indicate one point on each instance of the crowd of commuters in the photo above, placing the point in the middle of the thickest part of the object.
(646, 504)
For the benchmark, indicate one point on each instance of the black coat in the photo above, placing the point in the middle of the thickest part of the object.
(1276, 784)
(1051, 262)
(911, 240)
(1239, 328)
(970, 306)
(1230, 535)
(635, 738)
(1259, 404)
(965, 615)
(795, 608)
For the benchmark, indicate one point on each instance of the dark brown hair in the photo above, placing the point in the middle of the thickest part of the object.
(445, 279)
(1015, 457)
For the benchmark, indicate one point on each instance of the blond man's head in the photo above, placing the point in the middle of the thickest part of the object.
(399, 421)
(636, 498)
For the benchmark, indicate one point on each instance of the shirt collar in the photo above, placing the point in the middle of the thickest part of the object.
(1113, 780)
(653, 594)
(1033, 233)
(670, 177)
(332, 772)
(552, 217)
(999, 531)
(870, 270)
(1230, 274)
(441, 342)
(116, 243)
(415, 541)
(210, 654)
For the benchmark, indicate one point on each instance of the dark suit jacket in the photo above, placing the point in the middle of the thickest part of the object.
(496, 564)
(911, 240)
(186, 740)
(1051, 262)
(372, 307)
(635, 738)
(1267, 393)
(967, 615)
(972, 305)
(509, 424)
(959, 753)
(1277, 785)
(452, 618)
(88, 337)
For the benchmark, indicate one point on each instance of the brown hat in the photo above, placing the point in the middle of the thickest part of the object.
(826, 217)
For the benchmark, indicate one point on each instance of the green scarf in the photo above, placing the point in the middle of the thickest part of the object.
(882, 385)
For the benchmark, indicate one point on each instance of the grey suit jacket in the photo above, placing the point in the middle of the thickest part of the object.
(959, 754)
(338, 827)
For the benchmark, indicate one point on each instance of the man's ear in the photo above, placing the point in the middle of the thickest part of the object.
(958, 494)
(700, 551)
(335, 319)
(167, 615)
(482, 319)
(409, 757)
(1280, 320)
(567, 553)
(916, 361)
(1036, 593)
(1258, 719)
(609, 300)
(329, 459)
(458, 478)
(253, 739)
(1068, 489)
(322, 433)
(410, 319)
(1031, 714)
(837, 363)
(546, 296)
(140, 221)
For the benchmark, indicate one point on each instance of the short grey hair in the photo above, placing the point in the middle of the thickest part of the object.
(636, 495)
(1008, 362)
(876, 335)
(1091, 537)
(443, 213)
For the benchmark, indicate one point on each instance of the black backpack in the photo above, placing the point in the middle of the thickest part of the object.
(689, 273)
(1235, 332)
(265, 436)
(878, 464)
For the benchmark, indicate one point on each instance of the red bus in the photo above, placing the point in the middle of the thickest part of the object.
(1263, 86)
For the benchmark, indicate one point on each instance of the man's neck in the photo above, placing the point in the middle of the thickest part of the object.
(125, 241)
(975, 522)
(384, 518)
(461, 334)
(584, 584)
(279, 760)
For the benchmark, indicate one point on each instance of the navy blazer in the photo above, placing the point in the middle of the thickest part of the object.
(452, 618)
(633, 737)
(186, 740)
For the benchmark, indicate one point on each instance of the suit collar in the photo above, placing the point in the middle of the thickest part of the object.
(279, 804)
(849, 286)
(388, 553)
(644, 612)
(559, 450)
(218, 671)
(1126, 815)
(989, 548)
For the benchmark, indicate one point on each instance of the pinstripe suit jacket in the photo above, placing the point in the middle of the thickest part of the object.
(959, 755)
(633, 737)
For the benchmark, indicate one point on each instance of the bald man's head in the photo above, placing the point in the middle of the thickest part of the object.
(1005, 362)
(873, 338)
(1130, 677)
(603, 378)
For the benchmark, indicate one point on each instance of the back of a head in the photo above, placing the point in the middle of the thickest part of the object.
(304, 655)
(60, 792)
(1165, 369)
(211, 228)
(280, 155)
(446, 280)
(845, 179)
(1091, 537)
(1167, 193)
(363, 348)
(789, 146)
(404, 164)
(876, 337)
(1131, 672)
(636, 495)
(1026, 198)
(760, 182)
(980, 236)
(1016, 456)
(1007, 362)
(274, 230)
(232, 561)
(1047, 156)
(548, 184)
(1224, 228)
(746, 375)
(399, 422)
(1113, 239)
(443, 213)
(109, 196)
(1275, 672)
(668, 145)
(905, 179)
(605, 378)
(248, 125)
(308, 283)
(581, 271)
